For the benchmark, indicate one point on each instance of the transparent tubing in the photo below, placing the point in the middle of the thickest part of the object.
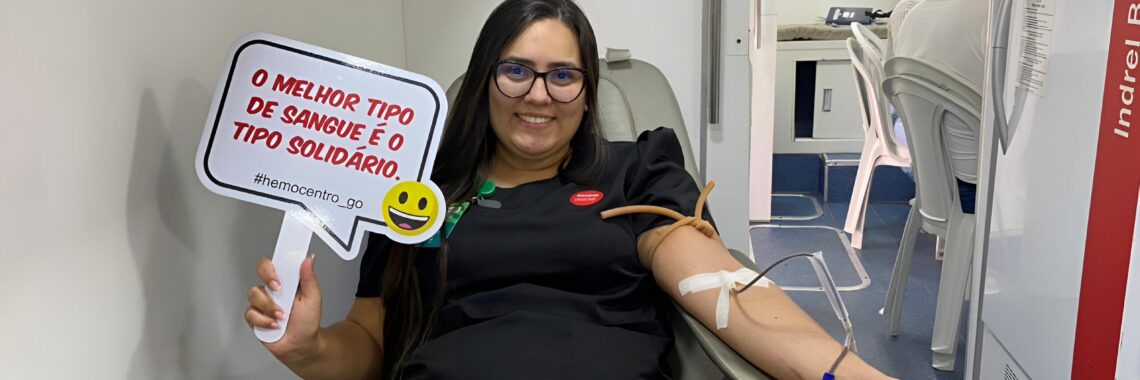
(829, 289)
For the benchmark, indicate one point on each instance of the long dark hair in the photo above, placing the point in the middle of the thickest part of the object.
(466, 149)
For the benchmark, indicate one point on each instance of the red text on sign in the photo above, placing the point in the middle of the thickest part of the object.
(254, 135)
(339, 156)
(327, 124)
(394, 144)
(383, 110)
(258, 105)
(259, 77)
(318, 93)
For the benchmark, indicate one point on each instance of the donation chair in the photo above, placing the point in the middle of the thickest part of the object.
(880, 145)
(927, 98)
(634, 96)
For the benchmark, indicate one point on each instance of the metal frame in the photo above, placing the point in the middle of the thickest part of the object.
(865, 279)
(828, 163)
(814, 203)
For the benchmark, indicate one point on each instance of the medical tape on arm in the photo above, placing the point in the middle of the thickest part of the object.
(724, 280)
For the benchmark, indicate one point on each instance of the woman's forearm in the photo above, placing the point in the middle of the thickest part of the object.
(764, 325)
(767, 326)
(344, 350)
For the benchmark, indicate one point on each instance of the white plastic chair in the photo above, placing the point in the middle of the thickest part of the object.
(866, 37)
(880, 145)
(926, 98)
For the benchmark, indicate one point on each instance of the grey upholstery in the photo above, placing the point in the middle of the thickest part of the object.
(634, 96)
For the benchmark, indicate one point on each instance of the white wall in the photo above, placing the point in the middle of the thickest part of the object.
(762, 56)
(815, 11)
(441, 33)
(665, 33)
(117, 263)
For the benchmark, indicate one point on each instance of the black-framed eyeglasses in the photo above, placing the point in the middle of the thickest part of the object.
(515, 80)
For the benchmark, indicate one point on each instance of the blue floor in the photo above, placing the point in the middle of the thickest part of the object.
(908, 355)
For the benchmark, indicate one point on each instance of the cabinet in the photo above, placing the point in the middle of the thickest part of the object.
(824, 104)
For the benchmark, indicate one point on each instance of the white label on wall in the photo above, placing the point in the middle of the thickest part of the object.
(1036, 41)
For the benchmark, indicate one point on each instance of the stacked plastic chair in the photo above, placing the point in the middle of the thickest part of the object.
(927, 98)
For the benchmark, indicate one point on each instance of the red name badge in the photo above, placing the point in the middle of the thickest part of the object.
(586, 198)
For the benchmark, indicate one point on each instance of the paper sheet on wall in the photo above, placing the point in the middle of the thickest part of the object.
(1036, 42)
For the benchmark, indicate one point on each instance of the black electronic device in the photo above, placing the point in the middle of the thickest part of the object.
(849, 15)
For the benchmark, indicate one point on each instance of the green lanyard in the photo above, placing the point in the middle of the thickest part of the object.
(456, 211)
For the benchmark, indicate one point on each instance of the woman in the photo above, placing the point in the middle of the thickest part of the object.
(532, 283)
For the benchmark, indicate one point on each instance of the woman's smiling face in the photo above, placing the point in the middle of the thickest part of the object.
(535, 126)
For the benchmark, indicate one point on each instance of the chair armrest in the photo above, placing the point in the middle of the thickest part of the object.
(730, 363)
(743, 259)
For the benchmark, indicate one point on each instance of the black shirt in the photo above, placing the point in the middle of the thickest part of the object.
(542, 288)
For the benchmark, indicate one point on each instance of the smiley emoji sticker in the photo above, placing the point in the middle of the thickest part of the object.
(410, 208)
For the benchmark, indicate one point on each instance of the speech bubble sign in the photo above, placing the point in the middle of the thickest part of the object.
(341, 143)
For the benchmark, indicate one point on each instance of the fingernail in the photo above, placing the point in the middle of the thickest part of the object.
(273, 325)
(279, 315)
(276, 286)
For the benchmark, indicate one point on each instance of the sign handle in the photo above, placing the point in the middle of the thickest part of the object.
(292, 247)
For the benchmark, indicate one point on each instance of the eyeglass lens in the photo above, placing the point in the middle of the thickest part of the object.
(515, 80)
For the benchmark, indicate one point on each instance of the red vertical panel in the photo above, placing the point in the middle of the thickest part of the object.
(1112, 213)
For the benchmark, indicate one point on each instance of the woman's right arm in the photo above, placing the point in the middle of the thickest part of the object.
(349, 349)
